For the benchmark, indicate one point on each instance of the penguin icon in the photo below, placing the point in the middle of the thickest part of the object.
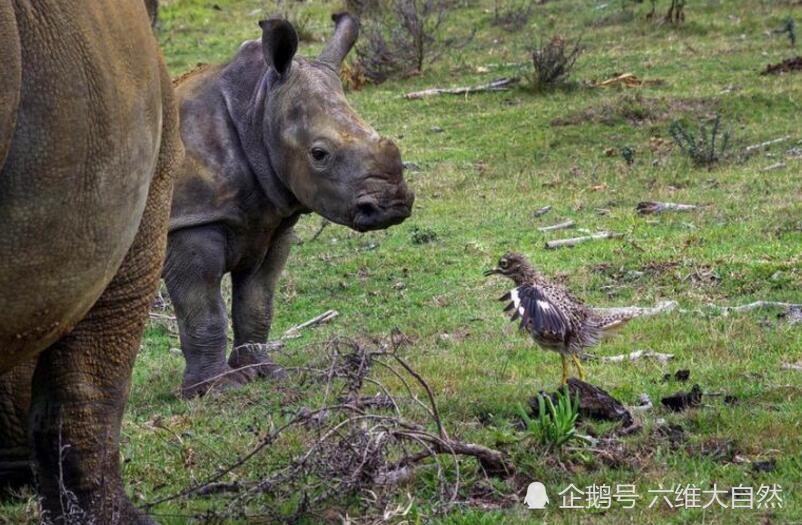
(536, 496)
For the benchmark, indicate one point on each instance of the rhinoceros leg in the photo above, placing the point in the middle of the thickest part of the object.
(15, 400)
(193, 272)
(81, 382)
(252, 309)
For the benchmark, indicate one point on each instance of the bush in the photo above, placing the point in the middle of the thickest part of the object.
(706, 149)
(514, 16)
(553, 63)
(555, 425)
(401, 37)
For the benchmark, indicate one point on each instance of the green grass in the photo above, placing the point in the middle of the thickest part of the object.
(496, 161)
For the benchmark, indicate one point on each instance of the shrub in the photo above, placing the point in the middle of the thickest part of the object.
(553, 62)
(401, 37)
(555, 425)
(704, 149)
(514, 16)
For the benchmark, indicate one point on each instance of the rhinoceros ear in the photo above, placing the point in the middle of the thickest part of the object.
(279, 44)
(346, 31)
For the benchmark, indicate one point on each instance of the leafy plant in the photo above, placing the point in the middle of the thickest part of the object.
(705, 148)
(552, 63)
(555, 425)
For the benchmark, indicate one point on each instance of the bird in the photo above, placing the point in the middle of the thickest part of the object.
(555, 318)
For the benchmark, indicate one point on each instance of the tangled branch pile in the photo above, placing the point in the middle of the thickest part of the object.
(358, 444)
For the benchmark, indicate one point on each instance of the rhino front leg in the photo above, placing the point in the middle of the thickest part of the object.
(193, 271)
(252, 309)
(15, 400)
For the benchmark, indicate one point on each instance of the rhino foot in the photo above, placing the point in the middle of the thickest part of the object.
(224, 379)
(257, 361)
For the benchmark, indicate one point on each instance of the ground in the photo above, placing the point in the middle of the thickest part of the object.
(482, 165)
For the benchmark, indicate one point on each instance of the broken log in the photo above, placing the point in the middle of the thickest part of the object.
(561, 243)
(594, 403)
(497, 85)
(560, 226)
(638, 354)
(650, 207)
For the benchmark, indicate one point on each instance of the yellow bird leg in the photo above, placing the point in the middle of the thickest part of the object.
(565, 369)
(582, 374)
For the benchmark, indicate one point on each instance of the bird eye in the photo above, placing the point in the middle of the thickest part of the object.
(503, 263)
(319, 154)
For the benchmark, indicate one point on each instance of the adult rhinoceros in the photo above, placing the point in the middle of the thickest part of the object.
(88, 142)
(269, 136)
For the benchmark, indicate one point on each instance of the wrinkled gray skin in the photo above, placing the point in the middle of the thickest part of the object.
(268, 137)
(88, 145)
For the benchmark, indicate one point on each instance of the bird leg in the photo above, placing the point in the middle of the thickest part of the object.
(579, 367)
(565, 369)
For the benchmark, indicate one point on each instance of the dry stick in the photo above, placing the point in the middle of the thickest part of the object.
(542, 211)
(637, 354)
(775, 166)
(323, 225)
(649, 207)
(325, 317)
(791, 366)
(755, 147)
(561, 243)
(561, 226)
(638, 311)
(419, 379)
(497, 85)
(757, 305)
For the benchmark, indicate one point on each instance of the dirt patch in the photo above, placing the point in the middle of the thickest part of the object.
(636, 110)
(786, 66)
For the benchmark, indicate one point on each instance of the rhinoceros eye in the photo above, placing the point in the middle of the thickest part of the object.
(319, 154)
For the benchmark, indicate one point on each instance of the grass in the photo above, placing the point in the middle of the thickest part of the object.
(497, 160)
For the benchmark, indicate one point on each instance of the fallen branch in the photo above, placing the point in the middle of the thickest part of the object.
(775, 166)
(497, 85)
(637, 354)
(650, 207)
(755, 147)
(561, 243)
(791, 366)
(645, 404)
(561, 226)
(542, 211)
(757, 305)
(323, 318)
(638, 311)
(323, 224)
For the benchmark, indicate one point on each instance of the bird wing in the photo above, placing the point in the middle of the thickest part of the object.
(539, 316)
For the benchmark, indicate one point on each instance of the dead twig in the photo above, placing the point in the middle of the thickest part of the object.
(323, 318)
(757, 147)
(561, 243)
(638, 354)
(791, 366)
(497, 85)
(560, 226)
(638, 311)
(757, 305)
(650, 207)
(541, 211)
(775, 166)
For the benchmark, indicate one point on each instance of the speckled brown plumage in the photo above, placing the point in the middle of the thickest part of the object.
(553, 316)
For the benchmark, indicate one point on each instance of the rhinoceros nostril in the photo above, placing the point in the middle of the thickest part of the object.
(367, 208)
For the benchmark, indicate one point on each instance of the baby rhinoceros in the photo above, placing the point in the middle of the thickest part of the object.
(268, 136)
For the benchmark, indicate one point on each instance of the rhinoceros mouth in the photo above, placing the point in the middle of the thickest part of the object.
(371, 215)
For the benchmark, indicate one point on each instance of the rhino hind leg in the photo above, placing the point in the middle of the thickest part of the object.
(193, 272)
(252, 309)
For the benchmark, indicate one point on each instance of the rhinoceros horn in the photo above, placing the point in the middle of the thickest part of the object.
(346, 30)
(279, 44)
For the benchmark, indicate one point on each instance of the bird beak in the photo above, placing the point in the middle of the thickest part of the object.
(494, 271)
